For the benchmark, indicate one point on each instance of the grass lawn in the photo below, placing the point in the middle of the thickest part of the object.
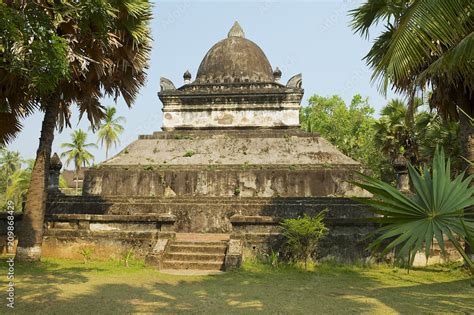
(69, 287)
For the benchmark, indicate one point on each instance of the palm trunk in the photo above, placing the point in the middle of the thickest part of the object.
(77, 182)
(466, 136)
(30, 235)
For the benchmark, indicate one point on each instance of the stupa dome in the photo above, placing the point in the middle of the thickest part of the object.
(235, 59)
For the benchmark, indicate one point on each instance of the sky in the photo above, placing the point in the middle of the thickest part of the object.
(308, 37)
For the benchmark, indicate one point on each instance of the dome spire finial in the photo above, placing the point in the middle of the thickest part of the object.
(236, 31)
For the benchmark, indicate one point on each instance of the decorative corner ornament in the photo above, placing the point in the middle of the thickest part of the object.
(295, 81)
(166, 85)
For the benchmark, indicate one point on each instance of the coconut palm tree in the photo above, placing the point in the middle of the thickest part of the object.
(106, 45)
(425, 43)
(20, 181)
(110, 129)
(78, 153)
(10, 162)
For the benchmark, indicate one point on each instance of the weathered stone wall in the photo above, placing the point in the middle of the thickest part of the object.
(108, 222)
(108, 236)
(245, 163)
(112, 226)
(207, 214)
(147, 181)
(219, 118)
(346, 241)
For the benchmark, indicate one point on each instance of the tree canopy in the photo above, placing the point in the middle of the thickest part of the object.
(74, 52)
(349, 128)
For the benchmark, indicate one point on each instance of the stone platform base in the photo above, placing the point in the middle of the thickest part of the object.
(236, 228)
(150, 225)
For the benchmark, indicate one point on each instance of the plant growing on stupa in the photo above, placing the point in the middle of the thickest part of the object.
(302, 235)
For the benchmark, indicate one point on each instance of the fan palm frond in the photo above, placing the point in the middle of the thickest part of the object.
(435, 211)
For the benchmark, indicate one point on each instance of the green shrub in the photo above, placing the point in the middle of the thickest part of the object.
(302, 236)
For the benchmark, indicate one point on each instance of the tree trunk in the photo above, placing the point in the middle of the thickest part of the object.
(30, 235)
(466, 136)
(77, 182)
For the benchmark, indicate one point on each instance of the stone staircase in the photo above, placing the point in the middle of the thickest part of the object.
(193, 251)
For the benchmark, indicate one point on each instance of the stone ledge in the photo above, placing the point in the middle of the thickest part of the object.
(164, 167)
(241, 132)
(269, 220)
(307, 201)
(254, 219)
(113, 217)
(111, 235)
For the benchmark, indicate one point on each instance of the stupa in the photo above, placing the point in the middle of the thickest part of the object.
(230, 160)
(233, 131)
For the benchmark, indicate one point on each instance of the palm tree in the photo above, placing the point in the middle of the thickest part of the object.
(110, 129)
(10, 162)
(416, 141)
(435, 211)
(433, 131)
(107, 51)
(425, 43)
(20, 181)
(392, 134)
(78, 153)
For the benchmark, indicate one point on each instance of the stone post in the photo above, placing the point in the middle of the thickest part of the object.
(233, 257)
(400, 165)
(54, 171)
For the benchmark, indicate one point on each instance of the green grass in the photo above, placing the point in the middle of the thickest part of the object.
(69, 287)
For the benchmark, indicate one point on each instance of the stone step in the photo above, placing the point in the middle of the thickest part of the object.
(200, 243)
(204, 249)
(192, 265)
(202, 237)
(194, 257)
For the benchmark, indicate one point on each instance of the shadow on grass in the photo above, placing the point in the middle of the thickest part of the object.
(50, 288)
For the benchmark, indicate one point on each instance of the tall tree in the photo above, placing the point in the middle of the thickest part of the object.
(425, 43)
(78, 153)
(349, 128)
(102, 48)
(110, 129)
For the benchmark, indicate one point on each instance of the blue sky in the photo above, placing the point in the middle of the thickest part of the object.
(311, 37)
